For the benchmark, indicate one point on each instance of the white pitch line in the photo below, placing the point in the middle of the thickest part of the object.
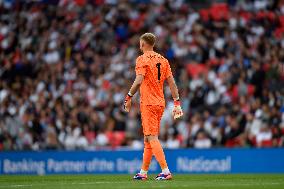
(161, 185)
(17, 186)
(73, 183)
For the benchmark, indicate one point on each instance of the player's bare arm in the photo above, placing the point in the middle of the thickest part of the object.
(135, 86)
(177, 111)
(173, 88)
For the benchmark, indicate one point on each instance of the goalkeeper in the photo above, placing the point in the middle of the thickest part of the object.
(152, 69)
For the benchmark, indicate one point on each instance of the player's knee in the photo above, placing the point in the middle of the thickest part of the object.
(151, 137)
(145, 139)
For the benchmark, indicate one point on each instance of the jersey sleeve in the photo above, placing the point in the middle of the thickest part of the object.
(168, 70)
(140, 68)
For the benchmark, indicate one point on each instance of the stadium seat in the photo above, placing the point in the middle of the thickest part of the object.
(90, 135)
(282, 131)
(204, 13)
(266, 143)
(233, 142)
(116, 138)
(195, 69)
(219, 11)
(235, 92)
(281, 20)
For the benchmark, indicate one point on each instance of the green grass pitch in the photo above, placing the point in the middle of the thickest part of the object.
(230, 181)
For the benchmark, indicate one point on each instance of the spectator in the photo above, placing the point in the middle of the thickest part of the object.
(202, 141)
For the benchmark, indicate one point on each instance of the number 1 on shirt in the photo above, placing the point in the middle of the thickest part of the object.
(158, 65)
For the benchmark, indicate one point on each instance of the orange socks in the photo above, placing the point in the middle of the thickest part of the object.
(147, 156)
(150, 148)
(158, 152)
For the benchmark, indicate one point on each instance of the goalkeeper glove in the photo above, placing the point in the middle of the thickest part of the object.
(177, 111)
(127, 102)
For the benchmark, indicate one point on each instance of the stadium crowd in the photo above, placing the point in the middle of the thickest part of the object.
(66, 68)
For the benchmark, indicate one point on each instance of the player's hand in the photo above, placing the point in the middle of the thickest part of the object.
(127, 103)
(177, 111)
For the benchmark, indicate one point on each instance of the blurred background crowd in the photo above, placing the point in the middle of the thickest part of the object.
(66, 66)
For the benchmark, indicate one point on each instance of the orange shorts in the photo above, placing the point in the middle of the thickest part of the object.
(151, 118)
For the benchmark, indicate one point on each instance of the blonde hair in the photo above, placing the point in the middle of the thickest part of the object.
(149, 38)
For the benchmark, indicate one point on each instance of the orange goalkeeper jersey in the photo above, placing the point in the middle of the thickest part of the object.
(155, 69)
